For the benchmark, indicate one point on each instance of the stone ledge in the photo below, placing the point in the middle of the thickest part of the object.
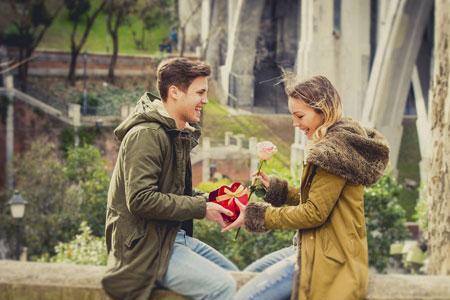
(30, 280)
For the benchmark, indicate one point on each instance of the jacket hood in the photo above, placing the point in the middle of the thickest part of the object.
(358, 154)
(150, 108)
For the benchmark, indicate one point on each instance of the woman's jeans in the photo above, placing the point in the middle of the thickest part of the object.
(274, 281)
(198, 271)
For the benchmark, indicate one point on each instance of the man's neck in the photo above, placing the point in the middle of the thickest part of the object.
(180, 123)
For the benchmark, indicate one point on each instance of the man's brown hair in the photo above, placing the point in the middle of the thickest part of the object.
(179, 72)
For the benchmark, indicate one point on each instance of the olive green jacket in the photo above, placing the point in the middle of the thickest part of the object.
(328, 212)
(146, 201)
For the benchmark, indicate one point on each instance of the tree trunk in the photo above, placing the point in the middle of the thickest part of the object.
(22, 73)
(439, 178)
(112, 65)
(72, 67)
(183, 40)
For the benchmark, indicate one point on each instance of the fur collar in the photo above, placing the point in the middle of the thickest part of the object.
(358, 154)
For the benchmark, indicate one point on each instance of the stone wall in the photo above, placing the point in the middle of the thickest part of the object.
(31, 123)
(31, 281)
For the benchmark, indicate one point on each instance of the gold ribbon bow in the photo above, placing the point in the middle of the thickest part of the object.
(230, 195)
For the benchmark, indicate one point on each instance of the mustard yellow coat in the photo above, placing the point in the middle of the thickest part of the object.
(328, 212)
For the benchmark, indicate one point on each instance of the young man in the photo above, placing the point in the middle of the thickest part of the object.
(150, 201)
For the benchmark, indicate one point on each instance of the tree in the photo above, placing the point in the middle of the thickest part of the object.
(79, 11)
(117, 11)
(439, 176)
(52, 213)
(152, 12)
(86, 169)
(29, 22)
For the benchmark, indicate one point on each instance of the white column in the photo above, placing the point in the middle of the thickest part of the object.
(206, 21)
(239, 139)
(253, 155)
(423, 127)
(390, 78)
(189, 12)
(228, 135)
(297, 154)
(75, 115)
(340, 51)
(233, 11)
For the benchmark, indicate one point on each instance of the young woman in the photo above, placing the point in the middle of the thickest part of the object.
(330, 259)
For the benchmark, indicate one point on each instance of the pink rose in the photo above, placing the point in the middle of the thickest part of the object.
(265, 150)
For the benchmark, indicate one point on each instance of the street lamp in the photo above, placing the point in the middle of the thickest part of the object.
(85, 97)
(17, 205)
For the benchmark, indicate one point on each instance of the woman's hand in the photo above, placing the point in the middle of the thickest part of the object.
(263, 178)
(240, 220)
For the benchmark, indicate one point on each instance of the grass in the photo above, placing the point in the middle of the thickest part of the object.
(276, 128)
(58, 35)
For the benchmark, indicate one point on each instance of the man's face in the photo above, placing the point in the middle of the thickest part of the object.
(190, 104)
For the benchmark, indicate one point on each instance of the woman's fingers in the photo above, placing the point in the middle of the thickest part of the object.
(235, 224)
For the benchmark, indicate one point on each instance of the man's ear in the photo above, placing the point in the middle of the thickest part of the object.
(174, 92)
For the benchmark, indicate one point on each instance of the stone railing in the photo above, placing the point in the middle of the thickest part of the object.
(232, 146)
(28, 280)
(72, 116)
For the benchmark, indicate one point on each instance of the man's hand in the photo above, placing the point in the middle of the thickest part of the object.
(240, 220)
(214, 211)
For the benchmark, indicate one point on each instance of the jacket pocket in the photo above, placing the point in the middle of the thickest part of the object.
(134, 238)
(330, 251)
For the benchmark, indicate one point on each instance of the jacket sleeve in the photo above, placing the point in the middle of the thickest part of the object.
(143, 157)
(280, 193)
(323, 194)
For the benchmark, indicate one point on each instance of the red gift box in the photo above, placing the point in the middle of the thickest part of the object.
(226, 196)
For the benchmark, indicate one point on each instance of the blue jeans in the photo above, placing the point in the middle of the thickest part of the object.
(198, 271)
(275, 279)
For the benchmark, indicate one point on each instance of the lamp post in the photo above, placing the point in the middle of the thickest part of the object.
(17, 205)
(85, 97)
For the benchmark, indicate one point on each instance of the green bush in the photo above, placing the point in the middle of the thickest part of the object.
(422, 210)
(52, 211)
(86, 169)
(60, 194)
(247, 248)
(385, 220)
(84, 249)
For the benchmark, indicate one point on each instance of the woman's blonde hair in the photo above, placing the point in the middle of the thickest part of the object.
(321, 95)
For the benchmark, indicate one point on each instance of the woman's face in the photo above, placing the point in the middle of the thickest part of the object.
(304, 116)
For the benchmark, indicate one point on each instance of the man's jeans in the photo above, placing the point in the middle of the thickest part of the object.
(274, 281)
(198, 271)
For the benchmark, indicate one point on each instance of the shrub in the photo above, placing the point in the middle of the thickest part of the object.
(84, 249)
(52, 211)
(86, 169)
(385, 220)
(60, 194)
(247, 248)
